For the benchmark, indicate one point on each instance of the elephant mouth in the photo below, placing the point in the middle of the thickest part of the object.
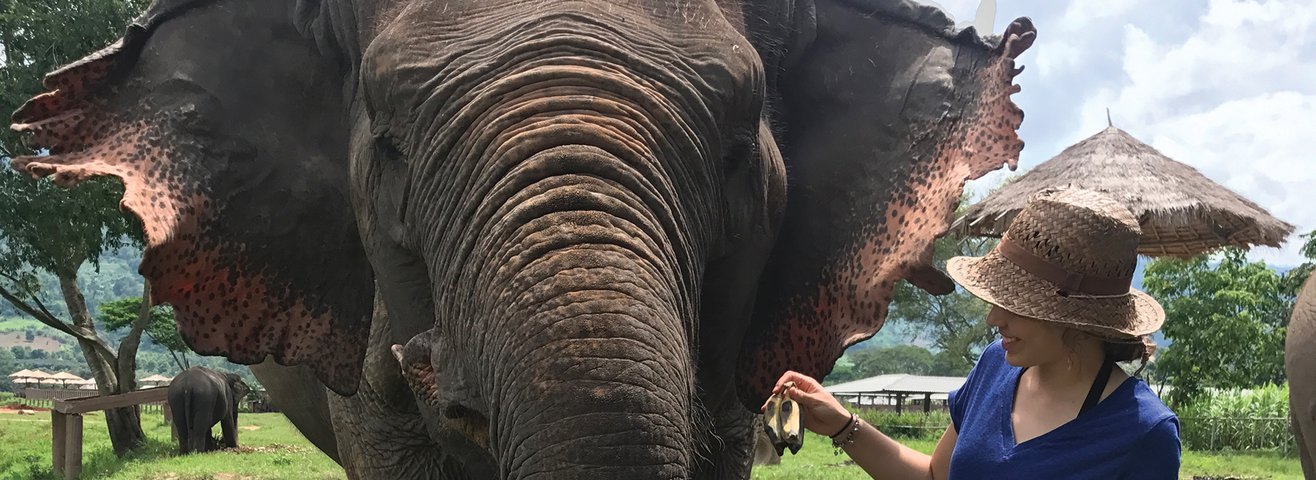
(420, 376)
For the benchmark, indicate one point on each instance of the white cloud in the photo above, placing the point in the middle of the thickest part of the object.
(1227, 86)
(1257, 146)
(1235, 99)
(1080, 13)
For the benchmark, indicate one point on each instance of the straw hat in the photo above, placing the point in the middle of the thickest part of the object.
(1068, 257)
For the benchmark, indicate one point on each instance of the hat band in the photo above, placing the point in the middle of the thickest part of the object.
(1069, 282)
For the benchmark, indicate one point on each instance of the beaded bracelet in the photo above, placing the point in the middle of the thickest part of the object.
(843, 427)
(849, 439)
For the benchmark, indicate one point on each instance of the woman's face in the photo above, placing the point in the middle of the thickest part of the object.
(1027, 342)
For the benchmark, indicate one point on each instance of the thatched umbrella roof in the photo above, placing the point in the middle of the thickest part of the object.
(24, 373)
(65, 376)
(35, 375)
(1182, 212)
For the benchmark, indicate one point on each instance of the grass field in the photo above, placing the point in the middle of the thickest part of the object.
(816, 461)
(273, 450)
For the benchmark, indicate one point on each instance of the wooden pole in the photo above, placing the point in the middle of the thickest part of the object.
(73, 450)
(57, 440)
(927, 403)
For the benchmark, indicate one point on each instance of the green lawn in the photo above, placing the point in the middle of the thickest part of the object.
(271, 450)
(816, 461)
(274, 450)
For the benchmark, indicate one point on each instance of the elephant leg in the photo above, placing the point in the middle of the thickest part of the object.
(180, 416)
(202, 419)
(764, 453)
(1304, 449)
(229, 426)
(182, 425)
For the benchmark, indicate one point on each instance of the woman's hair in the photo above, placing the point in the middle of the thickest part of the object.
(1133, 349)
(1138, 348)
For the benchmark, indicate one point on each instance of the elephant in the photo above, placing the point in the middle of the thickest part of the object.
(572, 239)
(198, 399)
(1299, 345)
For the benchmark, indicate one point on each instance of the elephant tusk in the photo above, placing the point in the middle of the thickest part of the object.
(397, 352)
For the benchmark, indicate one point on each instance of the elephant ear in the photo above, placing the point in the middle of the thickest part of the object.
(227, 127)
(887, 111)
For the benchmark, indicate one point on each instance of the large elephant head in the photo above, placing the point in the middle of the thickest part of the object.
(578, 213)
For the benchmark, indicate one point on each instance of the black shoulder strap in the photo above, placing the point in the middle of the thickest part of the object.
(1098, 386)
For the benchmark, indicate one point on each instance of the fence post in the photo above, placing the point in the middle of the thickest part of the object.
(73, 451)
(1214, 426)
(169, 420)
(57, 440)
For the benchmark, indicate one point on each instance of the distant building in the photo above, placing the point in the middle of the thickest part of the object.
(897, 390)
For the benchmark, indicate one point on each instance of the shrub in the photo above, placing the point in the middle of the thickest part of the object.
(908, 425)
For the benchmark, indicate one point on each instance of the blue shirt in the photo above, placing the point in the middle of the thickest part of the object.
(1129, 435)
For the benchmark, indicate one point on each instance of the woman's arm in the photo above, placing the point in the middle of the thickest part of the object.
(872, 450)
(883, 457)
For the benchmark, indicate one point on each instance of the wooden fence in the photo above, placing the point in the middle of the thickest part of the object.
(45, 397)
(66, 423)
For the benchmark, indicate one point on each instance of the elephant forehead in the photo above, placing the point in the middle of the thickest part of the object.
(432, 56)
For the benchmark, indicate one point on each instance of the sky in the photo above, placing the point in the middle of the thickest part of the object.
(1226, 86)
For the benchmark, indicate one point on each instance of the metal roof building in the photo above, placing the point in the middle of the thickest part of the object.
(894, 389)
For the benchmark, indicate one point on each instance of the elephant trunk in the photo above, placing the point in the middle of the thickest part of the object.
(580, 222)
(596, 377)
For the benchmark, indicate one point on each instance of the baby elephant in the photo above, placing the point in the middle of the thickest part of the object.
(199, 398)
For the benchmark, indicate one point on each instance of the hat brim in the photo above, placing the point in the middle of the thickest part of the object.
(1000, 282)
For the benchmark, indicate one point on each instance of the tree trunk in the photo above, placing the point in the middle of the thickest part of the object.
(124, 424)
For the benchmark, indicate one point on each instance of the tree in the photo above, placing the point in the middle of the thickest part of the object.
(161, 328)
(1294, 278)
(7, 365)
(1226, 317)
(956, 322)
(49, 230)
(910, 359)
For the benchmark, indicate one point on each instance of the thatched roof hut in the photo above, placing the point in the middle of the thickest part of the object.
(1182, 212)
(156, 379)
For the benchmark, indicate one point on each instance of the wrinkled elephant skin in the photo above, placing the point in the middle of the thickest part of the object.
(578, 240)
(1300, 365)
(199, 398)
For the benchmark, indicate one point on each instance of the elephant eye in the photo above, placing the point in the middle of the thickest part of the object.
(388, 148)
(741, 152)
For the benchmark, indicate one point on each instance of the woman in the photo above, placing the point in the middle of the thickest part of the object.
(1046, 401)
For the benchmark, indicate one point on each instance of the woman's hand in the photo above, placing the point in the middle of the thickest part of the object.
(823, 414)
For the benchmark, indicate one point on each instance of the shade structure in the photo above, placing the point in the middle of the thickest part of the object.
(66, 376)
(30, 376)
(1182, 213)
(156, 378)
